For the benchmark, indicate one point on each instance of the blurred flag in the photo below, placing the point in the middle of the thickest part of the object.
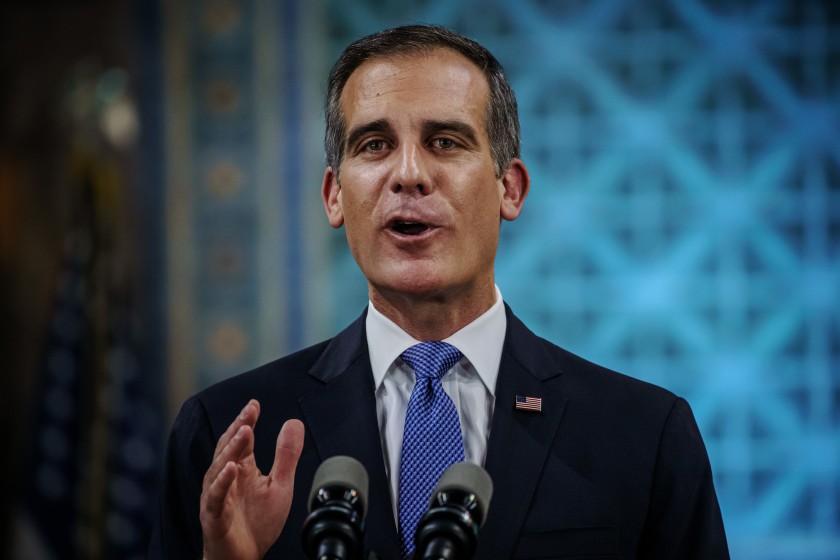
(91, 476)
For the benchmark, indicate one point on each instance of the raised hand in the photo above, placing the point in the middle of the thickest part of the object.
(242, 510)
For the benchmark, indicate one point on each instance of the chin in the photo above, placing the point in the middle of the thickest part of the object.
(421, 278)
(420, 287)
(410, 281)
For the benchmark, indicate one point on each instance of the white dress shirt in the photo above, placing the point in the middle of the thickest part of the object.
(471, 383)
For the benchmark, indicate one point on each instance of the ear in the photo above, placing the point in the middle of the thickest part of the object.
(331, 195)
(515, 186)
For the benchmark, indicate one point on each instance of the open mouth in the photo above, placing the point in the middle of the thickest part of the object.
(409, 228)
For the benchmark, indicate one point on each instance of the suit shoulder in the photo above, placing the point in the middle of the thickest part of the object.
(581, 377)
(610, 383)
(606, 400)
(279, 379)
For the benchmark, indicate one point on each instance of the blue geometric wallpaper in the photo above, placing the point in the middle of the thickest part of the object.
(683, 224)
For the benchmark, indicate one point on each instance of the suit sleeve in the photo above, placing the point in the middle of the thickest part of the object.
(684, 519)
(177, 529)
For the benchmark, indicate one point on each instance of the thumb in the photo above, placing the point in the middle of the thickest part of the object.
(287, 453)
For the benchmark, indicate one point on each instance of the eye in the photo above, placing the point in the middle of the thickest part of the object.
(444, 143)
(375, 145)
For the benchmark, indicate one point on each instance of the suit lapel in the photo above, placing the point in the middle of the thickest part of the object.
(519, 440)
(341, 417)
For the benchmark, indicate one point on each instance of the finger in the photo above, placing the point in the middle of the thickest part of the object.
(247, 416)
(238, 448)
(287, 453)
(216, 493)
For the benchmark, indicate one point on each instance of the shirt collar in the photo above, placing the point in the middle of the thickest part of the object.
(480, 342)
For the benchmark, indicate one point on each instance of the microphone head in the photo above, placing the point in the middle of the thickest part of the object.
(470, 478)
(342, 471)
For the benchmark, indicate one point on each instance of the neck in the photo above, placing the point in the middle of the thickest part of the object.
(433, 317)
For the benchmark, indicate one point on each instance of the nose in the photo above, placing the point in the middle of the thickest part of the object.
(410, 172)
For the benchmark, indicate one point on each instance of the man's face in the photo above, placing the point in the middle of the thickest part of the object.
(417, 190)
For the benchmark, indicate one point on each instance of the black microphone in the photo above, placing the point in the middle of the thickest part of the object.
(449, 528)
(333, 530)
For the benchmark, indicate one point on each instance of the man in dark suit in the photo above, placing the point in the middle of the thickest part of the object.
(423, 164)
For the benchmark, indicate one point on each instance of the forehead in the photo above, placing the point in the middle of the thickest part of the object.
(435, 83)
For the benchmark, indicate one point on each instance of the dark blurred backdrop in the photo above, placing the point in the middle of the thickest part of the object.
(161, 229)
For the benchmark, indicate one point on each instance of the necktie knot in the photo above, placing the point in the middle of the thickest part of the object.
(431, 359)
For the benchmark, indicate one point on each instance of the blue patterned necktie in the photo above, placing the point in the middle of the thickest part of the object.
(432, 438)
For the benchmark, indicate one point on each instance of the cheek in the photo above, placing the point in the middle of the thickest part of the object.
(360, 193)
(357, 205)
(490, 223)
(484, 208)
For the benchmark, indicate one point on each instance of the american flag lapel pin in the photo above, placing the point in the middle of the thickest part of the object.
(531, 404)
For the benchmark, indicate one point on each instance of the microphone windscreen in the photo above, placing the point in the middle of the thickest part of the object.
(471, 478)
(343, 471)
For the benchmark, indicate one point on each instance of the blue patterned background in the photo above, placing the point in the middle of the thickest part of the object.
(683, 224)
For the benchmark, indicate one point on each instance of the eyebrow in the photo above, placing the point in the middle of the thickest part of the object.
(456, 126)
(379, 125)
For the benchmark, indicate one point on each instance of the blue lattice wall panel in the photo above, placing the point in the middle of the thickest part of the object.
(684, 223)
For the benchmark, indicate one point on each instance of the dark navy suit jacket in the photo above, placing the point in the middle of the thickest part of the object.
(611, 468)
